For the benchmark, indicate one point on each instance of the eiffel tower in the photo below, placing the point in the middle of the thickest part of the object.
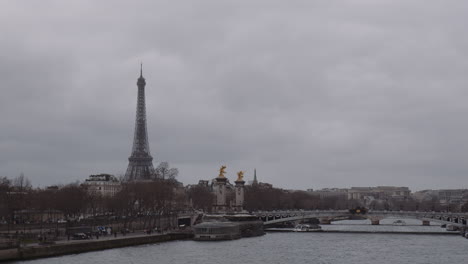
(140, 166)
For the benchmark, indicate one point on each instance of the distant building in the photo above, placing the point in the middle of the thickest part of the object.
(330, 193)
(452, 196)
(449, 199)
(379, 192)
(203, 183)
(103, 184)
(426, 195)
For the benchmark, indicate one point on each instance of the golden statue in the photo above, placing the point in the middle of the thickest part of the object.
(240, 176)
(222, 171)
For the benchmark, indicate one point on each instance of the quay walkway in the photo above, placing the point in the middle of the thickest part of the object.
(63, 247)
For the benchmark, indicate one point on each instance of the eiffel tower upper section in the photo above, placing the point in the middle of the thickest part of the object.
(140, 166)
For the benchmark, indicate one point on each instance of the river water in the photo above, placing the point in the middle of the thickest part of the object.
(339, 248)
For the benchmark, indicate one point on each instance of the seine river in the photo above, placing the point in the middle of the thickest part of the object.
(340, 248)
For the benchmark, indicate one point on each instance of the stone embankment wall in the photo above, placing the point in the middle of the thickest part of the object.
(85, 246)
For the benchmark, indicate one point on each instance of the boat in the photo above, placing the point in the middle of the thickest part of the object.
(399, 223)
(212, 231)
(307, 228)
(227, 227)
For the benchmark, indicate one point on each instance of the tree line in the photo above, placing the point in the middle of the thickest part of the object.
(147, 202)
(261, 198)
(163, 197)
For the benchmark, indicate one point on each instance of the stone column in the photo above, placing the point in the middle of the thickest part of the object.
(220, 206)
(240, 195)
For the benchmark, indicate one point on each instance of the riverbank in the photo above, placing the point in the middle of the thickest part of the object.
(80, 246)
(285, 230)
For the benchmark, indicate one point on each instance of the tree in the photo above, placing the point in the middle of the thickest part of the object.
(164, 172)
(464, 207)
(202, 197)
(5, 186)
(379, 204)
(21, 183)
(44, 201)
(264, 198)
(304, 200)
(431, 204)
(71, 200)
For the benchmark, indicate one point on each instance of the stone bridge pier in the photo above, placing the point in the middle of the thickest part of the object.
(375, 220)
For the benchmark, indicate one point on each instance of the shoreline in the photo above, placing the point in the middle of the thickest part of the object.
(82, 246)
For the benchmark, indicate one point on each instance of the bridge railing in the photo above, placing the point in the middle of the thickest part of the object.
(442, 217)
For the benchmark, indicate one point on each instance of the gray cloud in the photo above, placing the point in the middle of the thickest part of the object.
(312, 94)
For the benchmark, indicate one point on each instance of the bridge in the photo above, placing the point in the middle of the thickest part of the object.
(327, 216)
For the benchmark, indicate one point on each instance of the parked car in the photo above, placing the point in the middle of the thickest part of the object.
(79, 236)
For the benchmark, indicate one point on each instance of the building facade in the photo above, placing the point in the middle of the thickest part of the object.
(379, 192)
(105, 185)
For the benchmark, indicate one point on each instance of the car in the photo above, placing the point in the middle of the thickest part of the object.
(79, 236)
(61, 221)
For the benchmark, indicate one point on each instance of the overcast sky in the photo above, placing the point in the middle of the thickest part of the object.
(311, 93)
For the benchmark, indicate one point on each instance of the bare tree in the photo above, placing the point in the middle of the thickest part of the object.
(202, 197)
(163, 171)
(5, 201)
(21, 183)
(71, 200)
(464, 207)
